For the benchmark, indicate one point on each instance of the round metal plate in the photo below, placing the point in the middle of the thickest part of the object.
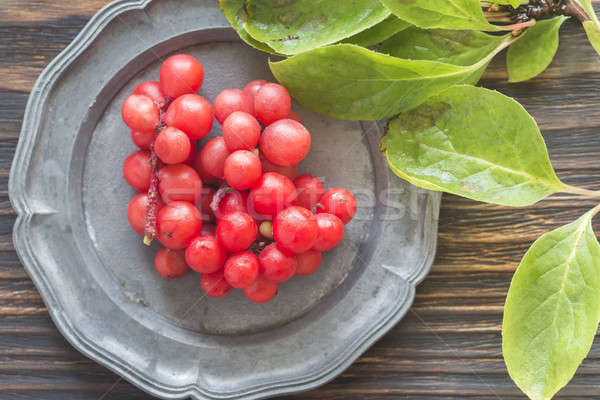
(96, 276)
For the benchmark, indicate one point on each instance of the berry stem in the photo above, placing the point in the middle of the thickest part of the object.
(151, 230)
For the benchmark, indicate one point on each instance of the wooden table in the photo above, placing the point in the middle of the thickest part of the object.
(449, 344)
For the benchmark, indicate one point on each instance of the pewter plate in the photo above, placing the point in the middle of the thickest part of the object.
(97, 278)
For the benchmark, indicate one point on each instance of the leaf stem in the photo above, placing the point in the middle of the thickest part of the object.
(595, 210)
(519, 26)
(582, 192)
(574, 9)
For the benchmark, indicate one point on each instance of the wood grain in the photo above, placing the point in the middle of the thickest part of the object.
(449, 344)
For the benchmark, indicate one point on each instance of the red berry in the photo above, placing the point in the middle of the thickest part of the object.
(310, 189)
(261, 291)
(285, 142)
(208, 194)
(192, 157)
(170, 264)
(295, 229)
(331, 231)
(140, 113)
(209, 229)
(309, 262)
(179, 182)
(277, 264)
(181, 74)
(272, 102)
(213, 157)
(237, 231)
(294, 116)
(339, 202)
(192, 114)
(205, 254)
(136, 212)
(241, 131)
(152, 90)
(178, 223)
(272, 193)
(137, 170)
(232, 201)
(172, 146)
(253, 86)
(206, 178)
(290, 171)
(231, 100)
(241, 269)
(242, 169)
(215, 285)
(143, 140)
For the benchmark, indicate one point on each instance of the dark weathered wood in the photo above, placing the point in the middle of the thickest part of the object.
(449, 344)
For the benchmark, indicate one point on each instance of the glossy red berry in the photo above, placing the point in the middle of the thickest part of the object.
(241, 269)
(172, 146)
(152, 90)
(309, 262)
(295, 229)
(310, 189)
(170, 264)
(237, 231)
(206, 178)
(331, 231)
(272, 102)
(252, 87)
(178, 223)
(261, 291)
(213, 157)
(192, 114)
(143, 140)
(285, 142)
(215, 285)
(137, 170)
(290, 171)
(242, 169)
(241, 131)
(136, 212)
(231, 100)
(205, 254)
(272, 193)
(179, 182)
(339, 202)
(140, 113)
(192, 157)
(232, 201)
(181, 74)
(277, 264)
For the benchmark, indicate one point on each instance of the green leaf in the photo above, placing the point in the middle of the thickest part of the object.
(444, 14)
(235, 13)
(592, 27)
(350, 82)
(378, 33)
(447, 46)
(295, 26)
(514, 3)
(593, 33)
(553, 309)
(532, 54)
(475, 143)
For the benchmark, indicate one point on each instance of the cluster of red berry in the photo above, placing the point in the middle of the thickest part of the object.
(270, 223)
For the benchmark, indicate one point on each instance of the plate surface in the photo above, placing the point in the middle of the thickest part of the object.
(97, 278)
